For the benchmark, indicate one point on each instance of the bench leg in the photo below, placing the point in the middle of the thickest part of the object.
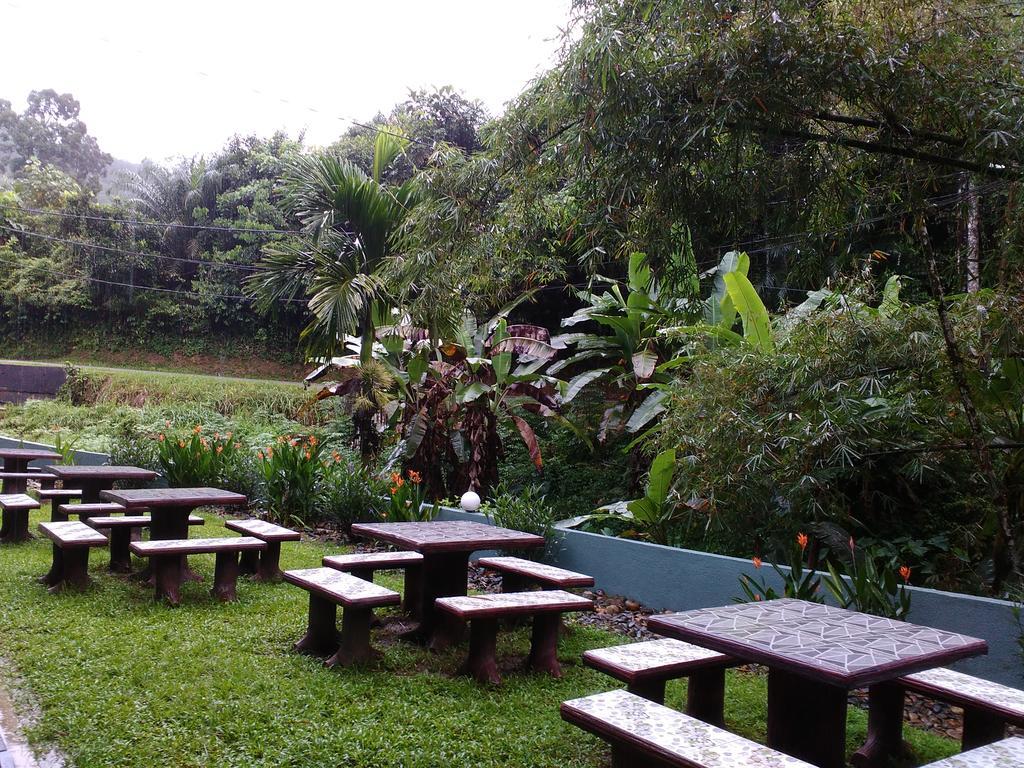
(885, 727)
(482, 662)
(76, 569)
(56, 573)
(354, 647)
(512, 582)
(705, 696)
(981, 728)
(250, 562)
(270, 562)
(225, 577)
(544, 644)
(120, 550)
(56, 516)
(626, 757)
(413, 599)
(167, 577)
(16, 526)
(321, 638)
(651, 689)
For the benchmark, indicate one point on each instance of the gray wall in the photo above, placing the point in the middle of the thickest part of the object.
(667, 578)
(20, 382)
(85, 458)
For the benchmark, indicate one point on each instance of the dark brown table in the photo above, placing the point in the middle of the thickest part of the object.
(92, 481)
(815, 654)
(169, 509)
(446, 546)
(17, 460)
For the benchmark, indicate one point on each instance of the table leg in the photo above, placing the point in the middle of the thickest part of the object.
(413, 600)
(321, 638)
(544, 644)
(981, 728)
(167, 577)
(354, 647)
(482, 662)
(705, 696)
(807, 719)
(18, 466)
(652, 690)
(250, 562)
(225, 577)
(885, 727)
(76, 568)
(444, 575)
(120, 550)
(172, 523)
(91, 490)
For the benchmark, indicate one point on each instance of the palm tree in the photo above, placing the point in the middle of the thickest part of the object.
(351, 223)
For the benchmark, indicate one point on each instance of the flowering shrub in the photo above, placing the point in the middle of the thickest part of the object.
(293, 472)
(800, 582)
(195, 459)
(407, 499)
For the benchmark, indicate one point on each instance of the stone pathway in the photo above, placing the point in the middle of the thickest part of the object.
(14, 750)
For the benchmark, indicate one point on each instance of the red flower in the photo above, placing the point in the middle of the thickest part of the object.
(905, 573)
(757, 562)
(801, 539)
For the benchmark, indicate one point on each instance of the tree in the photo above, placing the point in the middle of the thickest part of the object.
(51, 130)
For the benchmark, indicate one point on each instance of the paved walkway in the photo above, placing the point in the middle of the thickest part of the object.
(14, 751)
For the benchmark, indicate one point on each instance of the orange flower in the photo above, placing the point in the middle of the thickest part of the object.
(270, 451)
(757, 598)
(801, 539)
(236, 446)
(181, 443)
(308, 455)
(197, 429)
(204, 443)
(395, 477)
(220, 449)
(216, 435)
(905, 573)
(293, 443)
(161, 438)
(393, 489)
(336, 456)
(259, 455)
(415, 477)
(312, 440)
(757, 562)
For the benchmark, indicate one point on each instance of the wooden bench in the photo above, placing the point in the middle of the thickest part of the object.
(58, 497)
(517, 574)
(328, 588)
(17, 482)
(483, 612)
(363, 564)
(167, 559)
(988, 707)
(15, 508)
(264, 564)
(121, 529)
(71, 544)
(646, 667)
(642, 733)
(46, 480)
(86, 511)
(1008, 753)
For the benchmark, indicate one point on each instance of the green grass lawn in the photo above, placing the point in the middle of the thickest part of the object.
(121, 681)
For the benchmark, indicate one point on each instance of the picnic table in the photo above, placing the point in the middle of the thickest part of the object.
(92, 481)
(446, 546)
(815, 654)
(16, 460)
(170, 508)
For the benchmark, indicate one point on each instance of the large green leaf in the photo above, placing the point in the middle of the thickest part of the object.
(577, 383)
(659, 481)
(891, 305)
(646, 411)
(757, 327)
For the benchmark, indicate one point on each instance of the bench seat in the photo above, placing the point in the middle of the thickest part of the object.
(167, 559)
(483, 611)
(643, 733)
(516, 572)
(85, 511)
(121, 529)
(646, 666)
(58, 497)
(71, 544)
(1008, 753)
(15, 508)
(988, 707)
(328, 588)
(264, 565)
(363, 564)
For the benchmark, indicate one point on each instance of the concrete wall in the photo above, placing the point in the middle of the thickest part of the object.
(85, 458)
(20, 382)
(667, 578)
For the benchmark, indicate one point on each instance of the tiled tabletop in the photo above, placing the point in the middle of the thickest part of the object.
(821, 642)
(447, 536)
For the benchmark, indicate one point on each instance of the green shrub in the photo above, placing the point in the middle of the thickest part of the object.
(195, 459)
(293, 474)
(350, 494)
(524, 509)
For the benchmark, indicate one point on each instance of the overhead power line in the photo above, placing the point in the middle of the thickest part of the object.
(143, 223)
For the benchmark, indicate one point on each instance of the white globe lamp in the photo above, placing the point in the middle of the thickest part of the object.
(470, 501)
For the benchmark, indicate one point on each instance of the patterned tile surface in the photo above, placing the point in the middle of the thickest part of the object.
(82, 472)
(644, 723)
(262, 529)
(556, 577)
(1008, 753)
(846, 647)
(372, 559)
(555, 599)
(447, 536)
(17, 501)
(653, 656)
(965, 688)
(342, 587)
(174, 497)
(73, 532)
(193, 546)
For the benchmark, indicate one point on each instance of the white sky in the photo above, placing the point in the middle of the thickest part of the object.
(165, 79)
